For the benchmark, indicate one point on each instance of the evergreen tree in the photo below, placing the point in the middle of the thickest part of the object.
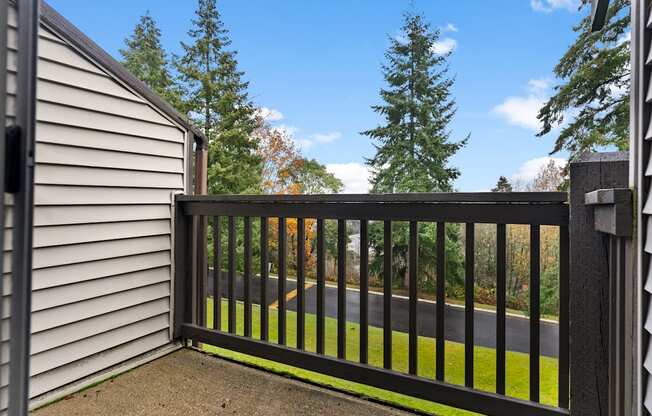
(413, 149)
(595, 82)
(502, 185)
(145, 57)
(413, 146)
(217, 98)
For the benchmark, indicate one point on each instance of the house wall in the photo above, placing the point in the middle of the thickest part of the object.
(107, 165)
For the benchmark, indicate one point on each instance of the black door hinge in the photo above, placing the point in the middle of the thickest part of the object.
(12, 159)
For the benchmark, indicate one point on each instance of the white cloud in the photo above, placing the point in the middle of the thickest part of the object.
(523, 111)
(529, 170)
(444, 46)
(317, 138)
(355, 176)
(547, 6)
(450, 27)
(269, 114)
(538, 86)
(325, 137)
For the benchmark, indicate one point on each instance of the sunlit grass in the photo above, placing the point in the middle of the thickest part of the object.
(485, 361)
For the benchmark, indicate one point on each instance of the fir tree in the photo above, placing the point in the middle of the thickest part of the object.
(413, 149)
(594, 89)
(217, 98)
(413, 146)
(145, 57)
(502, 185)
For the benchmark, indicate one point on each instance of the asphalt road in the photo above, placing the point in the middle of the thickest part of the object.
(518, 328)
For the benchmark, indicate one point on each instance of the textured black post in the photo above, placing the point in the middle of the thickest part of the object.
(589, 283)
(182, 258)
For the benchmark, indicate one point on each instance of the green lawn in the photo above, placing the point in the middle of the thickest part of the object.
(485, 361)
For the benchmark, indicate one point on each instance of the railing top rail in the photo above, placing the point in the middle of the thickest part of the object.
(515, 208)
(443, 197)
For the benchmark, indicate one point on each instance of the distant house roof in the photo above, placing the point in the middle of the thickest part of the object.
(70, 33)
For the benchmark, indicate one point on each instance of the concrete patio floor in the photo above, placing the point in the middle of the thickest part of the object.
(189, 382)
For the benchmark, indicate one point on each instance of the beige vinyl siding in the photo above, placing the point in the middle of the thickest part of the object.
(73, 195)
(85, 233)
(62, 215)
(108, 163)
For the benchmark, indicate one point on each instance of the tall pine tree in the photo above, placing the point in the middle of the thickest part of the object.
(413, 146)
(503, 185)
(216, 97)
(145, 57)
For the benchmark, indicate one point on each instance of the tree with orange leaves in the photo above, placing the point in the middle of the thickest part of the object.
(287, 172)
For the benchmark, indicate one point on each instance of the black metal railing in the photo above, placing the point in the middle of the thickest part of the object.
(192, 214)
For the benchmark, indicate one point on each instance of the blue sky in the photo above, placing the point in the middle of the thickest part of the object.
(316, 66)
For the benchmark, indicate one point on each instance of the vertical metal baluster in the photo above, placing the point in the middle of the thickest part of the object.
(501, 301)
(194, 273)
(282, 278)
(202, 269)
(535, 317)
(387, 296)
(217, 272)
(412, 277)
(264, 276)
(469, 304)
(321, 285)
(441, 301)
(564, 321)
(231, 277)
(301, 281)
(341, 288)
(364, 292)
(247, 276)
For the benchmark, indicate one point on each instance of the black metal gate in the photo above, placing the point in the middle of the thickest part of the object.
(17, 188)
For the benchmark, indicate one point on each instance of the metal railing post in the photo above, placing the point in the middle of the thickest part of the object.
(590, 283)
(183, 268)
